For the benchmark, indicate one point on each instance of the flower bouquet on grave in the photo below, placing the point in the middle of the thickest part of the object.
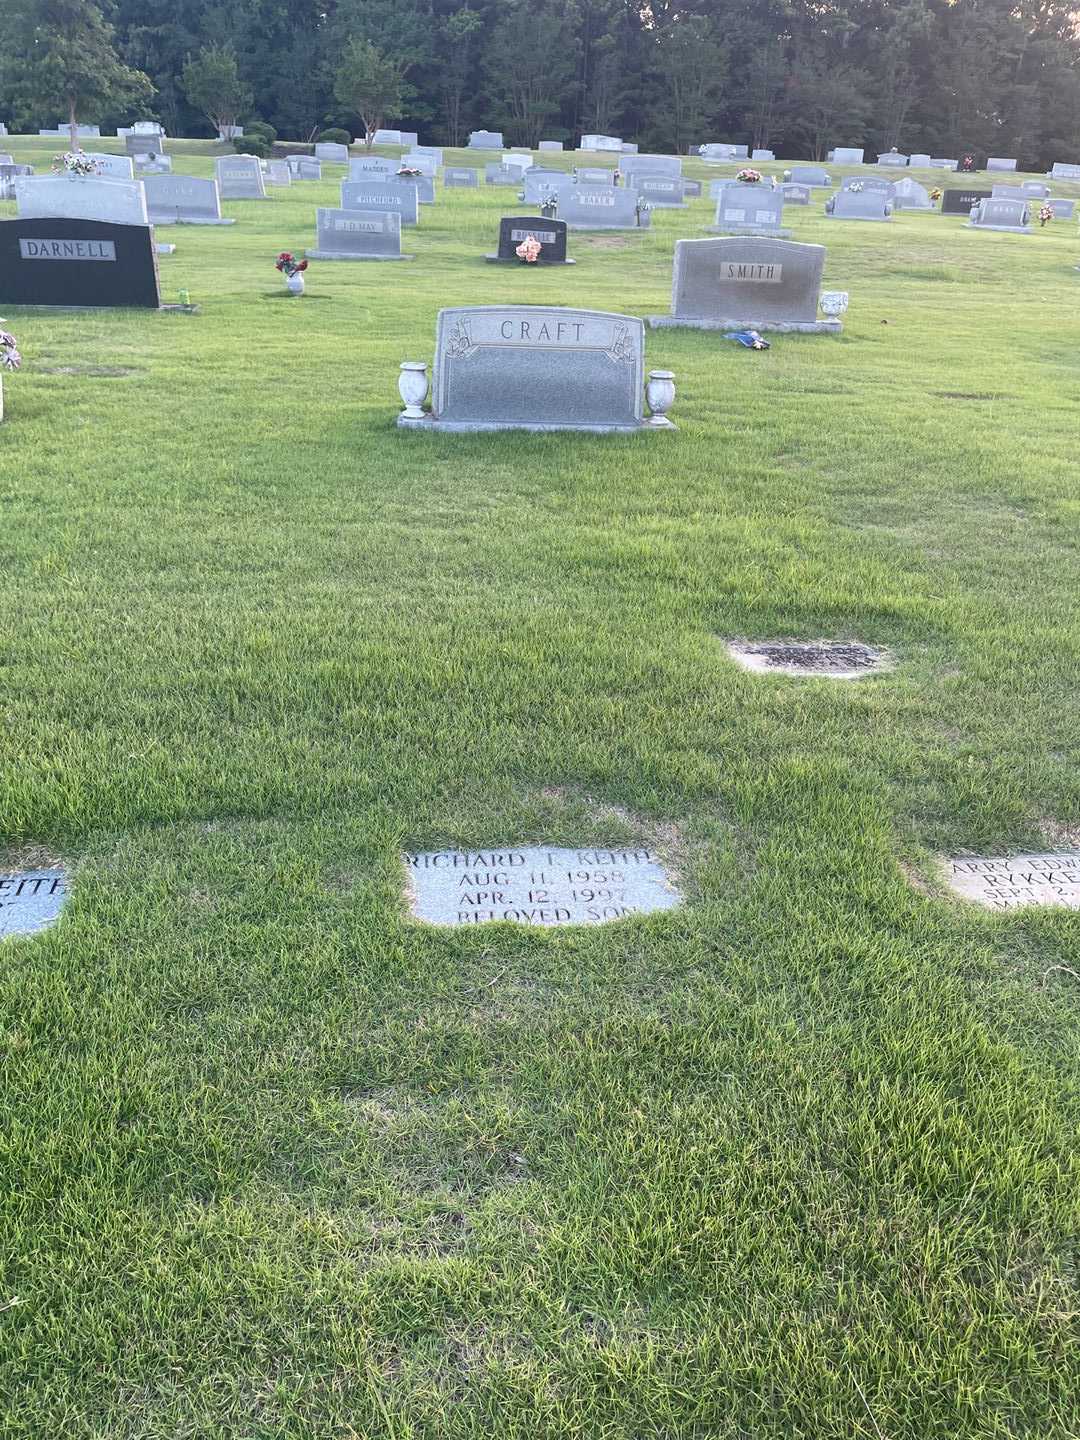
(1046, 214)
(74, 162)
(855, 188)
(968, 162)
(529, 250)
(408, 172)
(293, 271)
(10, 359)
(549, 204)
(641, 207)
(748, 176)
(935, 194)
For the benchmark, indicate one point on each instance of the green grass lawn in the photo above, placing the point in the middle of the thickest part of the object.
(799, 1159)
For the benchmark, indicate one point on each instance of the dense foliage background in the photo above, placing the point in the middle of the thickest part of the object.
(987, 76)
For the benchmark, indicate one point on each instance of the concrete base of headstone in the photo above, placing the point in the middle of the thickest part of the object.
(537, 265)
(783, 234)
(473, 427)
(339, 255)
(1001, 229)
(156, 219)
(873, 219)
(775, 327)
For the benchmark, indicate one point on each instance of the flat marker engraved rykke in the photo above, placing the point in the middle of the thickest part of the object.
(1010, 883)
(540, 885)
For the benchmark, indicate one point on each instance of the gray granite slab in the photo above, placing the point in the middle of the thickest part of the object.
(382, 195)
(357, 235)
(1013, 882)
(536, 367)
(750, 210)
(331, 153)
(370, 167)
(30, 900)
(120, 202)
(747, 281)
(183, 200)
(812, 175)
(663, 192)
(461, 177)
(485, 140)
(999, 162)
(859, 205)
(601, 207)
(537, 885)
(1065, 170)
(240, 177)
(549, 145)
(846, 155)
(1013, 216)
(634, 165)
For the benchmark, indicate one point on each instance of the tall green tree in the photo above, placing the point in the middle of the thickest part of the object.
(460, 36)
(370, 85)
(530, 67)
(60, 57)
(690, 66)
(212, 84)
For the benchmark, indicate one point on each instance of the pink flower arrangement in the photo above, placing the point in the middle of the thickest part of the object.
(529, 250)
(1046, 213)
(288, 264)
(749, 177)
(10, 358)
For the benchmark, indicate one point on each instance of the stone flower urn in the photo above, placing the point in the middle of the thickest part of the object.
(413, 387)
(660, 393)
(833, 303)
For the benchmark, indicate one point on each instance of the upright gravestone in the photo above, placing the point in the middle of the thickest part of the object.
(121, 202)
(485, 140)
(847, 155)
(716, 152)
(460, 177)
(908, 194)
(1036, 189)
(501, 174)
(959, 202)
(357, 235)
(602, 142)
(750, 210)
(305, 167)
(871, 185)
(941, 163)
(997, 162)
(1008, 192)
(142, 143)
(601, 207)
(424, 185)
(332, 154)
(381, 195)
(362, 167)
(760, 283)
(387, 137)
(1065, 170)
(795, 194)
(893, 158)
(414, 160)
(550, 145)
(153, 165)
(762, 155)
(240, 177)
(919, 162)
(64, 262)
(514, 160)
(812, 175)
(662, 192)
(515, 230)
(1009, 215)
(113, 167)
(858, 205)
(539, 183)
(278, 173)
(538, 367)
(634, 165)
(183, 200)
(594, 175)
(1063, 209)
(692, 189)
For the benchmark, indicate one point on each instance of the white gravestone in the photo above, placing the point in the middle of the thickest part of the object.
(750, 210)
(183, 200)
(240, 177)
(537, 885)
(332, 154)
(998, 162)
(114, 167)
(120, 202)
(382, 195)
(1012, 882)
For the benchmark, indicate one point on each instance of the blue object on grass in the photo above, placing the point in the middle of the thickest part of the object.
(749, 338)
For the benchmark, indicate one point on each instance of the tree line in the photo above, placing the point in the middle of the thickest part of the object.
(945, 77)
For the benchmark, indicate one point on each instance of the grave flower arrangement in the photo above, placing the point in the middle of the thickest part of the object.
(549, 205)
(408, 172)
(74, 162)
(748, 176)
(968, 162)
(641, 207)
(529, 250)
(1046, 214)
(935, 194)
(855, 188)
(288, 264)
(10, 359)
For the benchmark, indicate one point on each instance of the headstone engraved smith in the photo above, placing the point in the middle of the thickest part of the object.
(540, 885)
(747, 281)
(536, 367)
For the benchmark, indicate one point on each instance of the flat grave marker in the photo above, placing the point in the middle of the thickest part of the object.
(537, 885)
(1013, 882)
(30, 900)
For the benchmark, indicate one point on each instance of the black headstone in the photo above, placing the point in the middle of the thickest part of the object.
(77, 262)
(513, 229)
(959, 202)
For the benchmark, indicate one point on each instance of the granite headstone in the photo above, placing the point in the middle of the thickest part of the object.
(747, 282)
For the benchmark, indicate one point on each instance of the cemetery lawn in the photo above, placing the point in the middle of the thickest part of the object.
(798, 1159)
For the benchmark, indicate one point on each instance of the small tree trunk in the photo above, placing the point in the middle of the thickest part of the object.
(73, 123)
